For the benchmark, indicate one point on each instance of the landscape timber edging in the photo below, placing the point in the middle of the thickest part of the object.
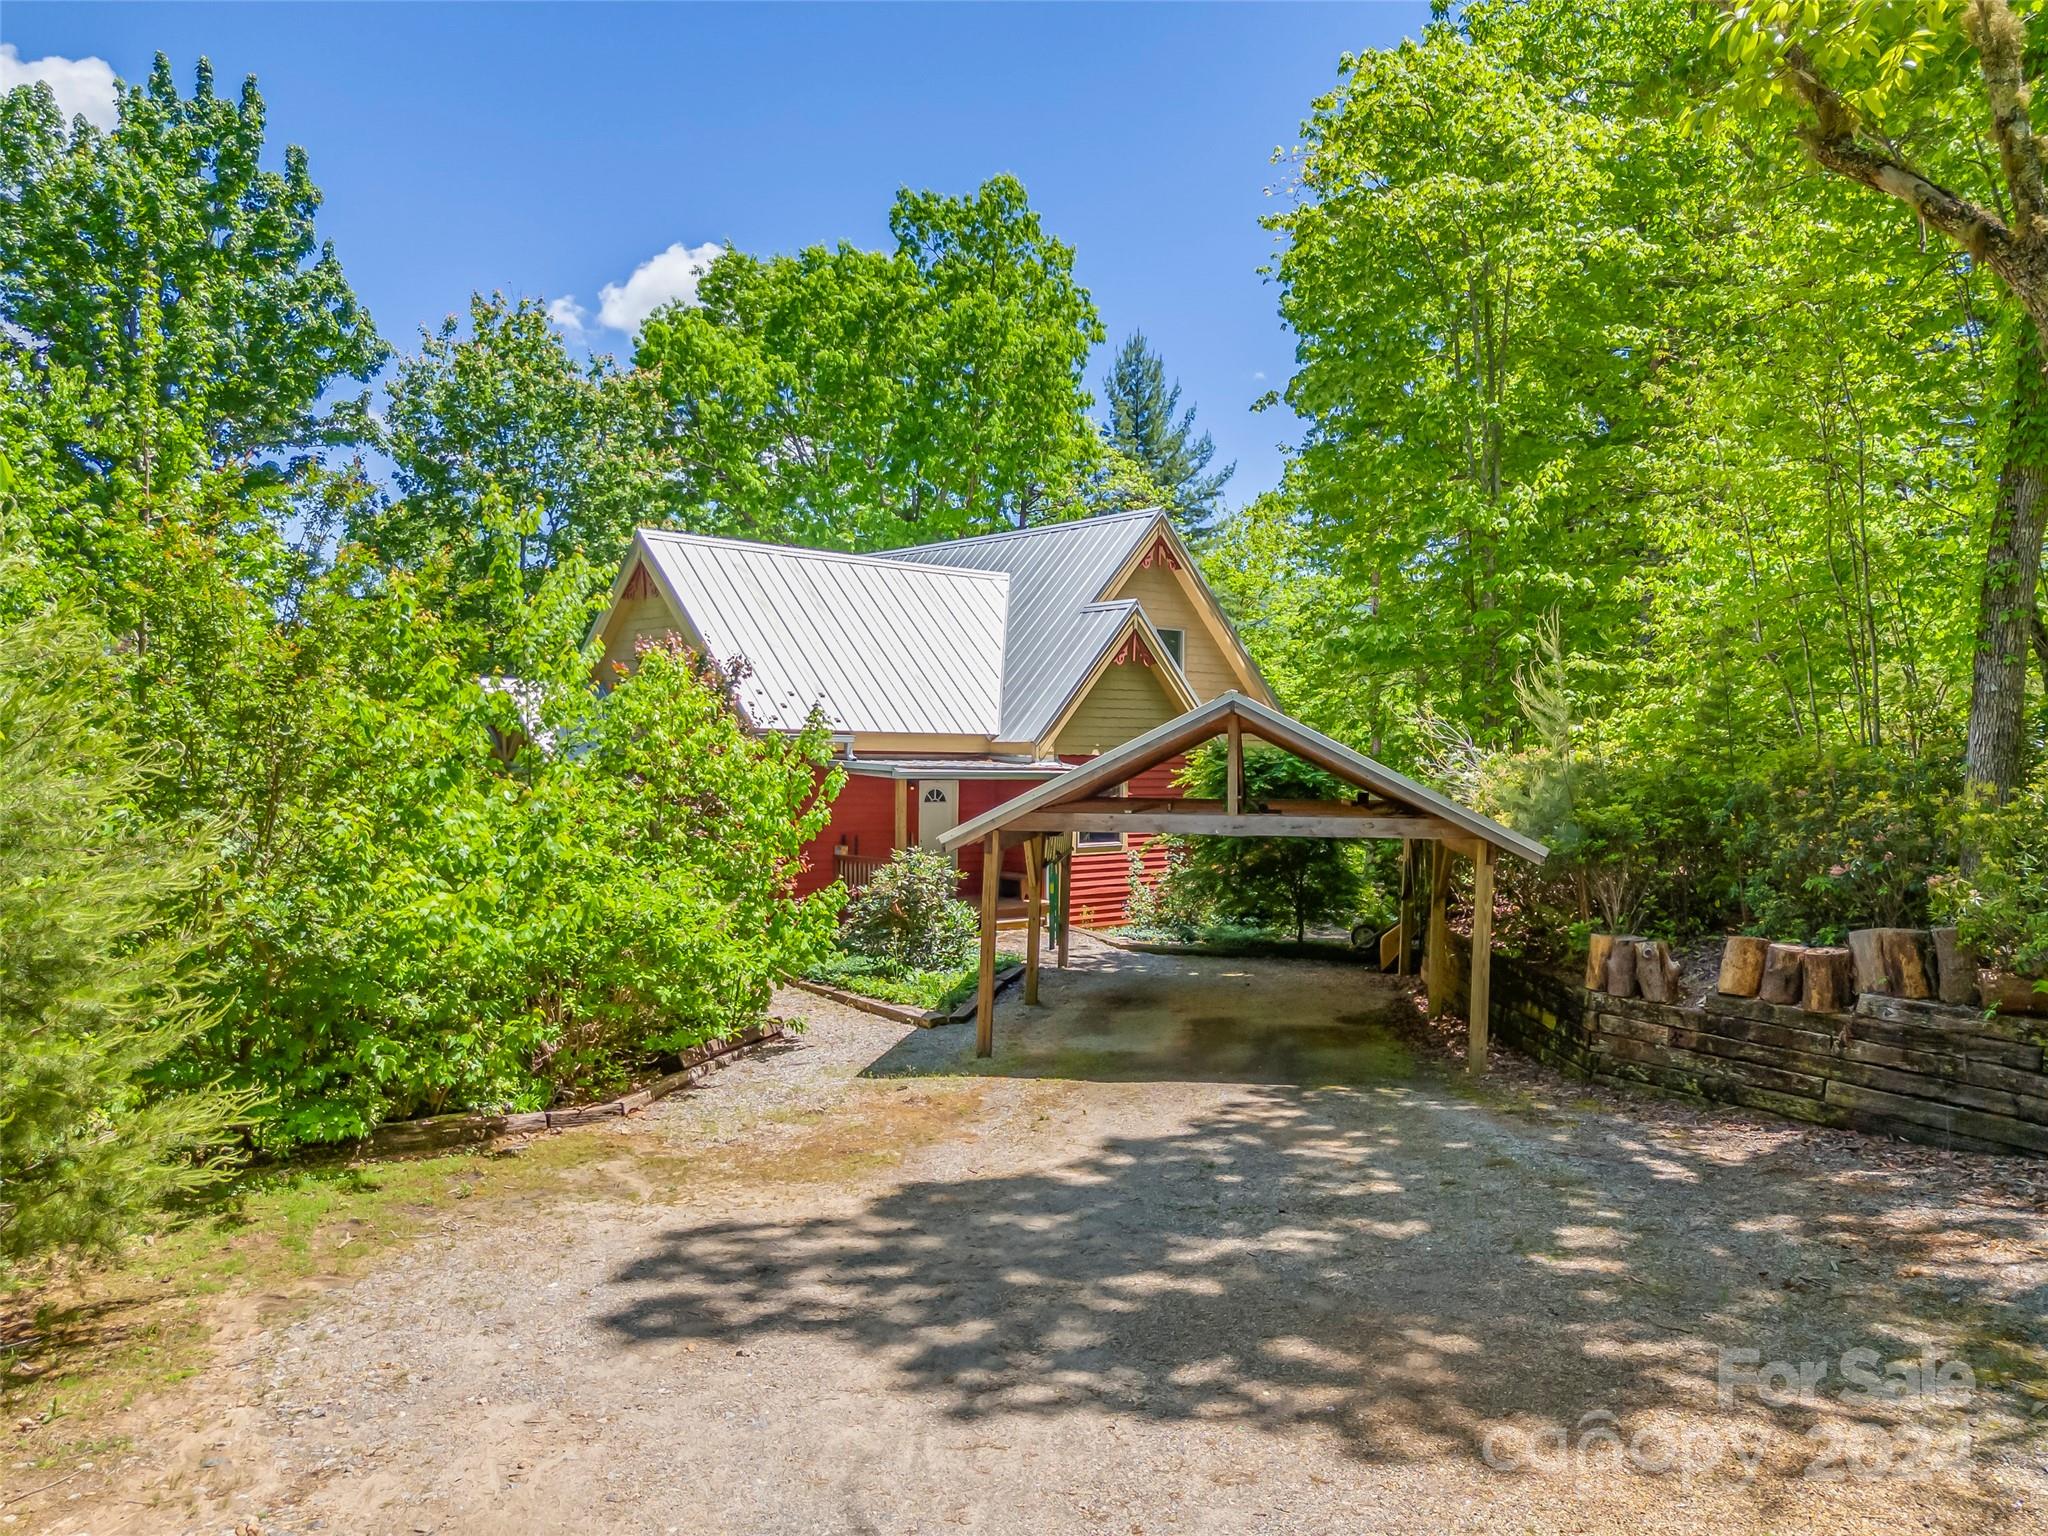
(1918, 1070)
(1328, 951)
(437, 1132)
(903, 1013)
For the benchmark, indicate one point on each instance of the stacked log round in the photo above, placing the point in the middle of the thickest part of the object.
(1657, 974)
(1828, 981)
(1784, 979)
(1891, 962)
(1621, 966)
(1742, 966)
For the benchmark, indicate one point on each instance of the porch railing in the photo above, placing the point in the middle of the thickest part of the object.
(856, 870)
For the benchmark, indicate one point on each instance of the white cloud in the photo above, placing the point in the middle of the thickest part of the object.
(80, 85)
(568, 317)
(665, 279)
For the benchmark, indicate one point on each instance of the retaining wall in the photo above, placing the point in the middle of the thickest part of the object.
(1947, 1076)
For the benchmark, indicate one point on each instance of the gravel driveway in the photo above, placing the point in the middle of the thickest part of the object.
(1209, 1246)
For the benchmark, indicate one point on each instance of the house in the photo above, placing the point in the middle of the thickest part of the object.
(953, 675)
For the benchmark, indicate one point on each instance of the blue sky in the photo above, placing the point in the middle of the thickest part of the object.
(552, 150)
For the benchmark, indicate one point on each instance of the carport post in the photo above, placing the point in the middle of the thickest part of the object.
(985, 998)
(1406, 902)
(1479, 1004)
(1066, 900)
(1436, 944)
(1034, 909)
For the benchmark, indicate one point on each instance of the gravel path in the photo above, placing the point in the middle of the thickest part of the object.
(1210, 1246)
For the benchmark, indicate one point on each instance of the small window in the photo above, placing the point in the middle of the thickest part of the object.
(1175, 641)
(1103, 839)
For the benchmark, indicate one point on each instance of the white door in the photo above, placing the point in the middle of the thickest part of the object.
(938, 810)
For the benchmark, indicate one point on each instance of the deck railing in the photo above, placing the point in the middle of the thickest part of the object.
(856, 870)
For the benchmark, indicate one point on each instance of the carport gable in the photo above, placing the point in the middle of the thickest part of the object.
(1390, 805)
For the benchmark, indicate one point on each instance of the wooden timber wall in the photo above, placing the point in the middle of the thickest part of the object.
(1946, 1076)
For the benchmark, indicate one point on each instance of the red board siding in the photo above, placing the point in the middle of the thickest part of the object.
(1102, 876)
(977, 797)
(864, 817)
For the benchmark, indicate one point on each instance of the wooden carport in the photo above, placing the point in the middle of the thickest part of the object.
(1386, 805)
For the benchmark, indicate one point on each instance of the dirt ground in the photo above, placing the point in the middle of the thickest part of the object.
(1209, 1246)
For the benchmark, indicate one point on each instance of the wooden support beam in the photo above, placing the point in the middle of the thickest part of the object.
(1188, 805)
(902, 814)
(1233, 766)
(1479, 1009)
(985, 997)
(1328, 823)
(1034, 908)
(1436, 953)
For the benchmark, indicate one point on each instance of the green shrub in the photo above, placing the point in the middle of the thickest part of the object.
(94, 968)
(1794, 845)
(2000, 908)
(411, 926)
(1817, 845)
(1277, 882)
(1170, 903)
(907, 916)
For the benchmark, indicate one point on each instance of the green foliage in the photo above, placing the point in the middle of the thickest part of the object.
(2000, 907)
(934, 990)
(1279, 882)
(906, 917)
(1171, 903)
(408, 928)
(173, 279)
(1147, 426)
(95, 968)
(503, 415)
(852, 398)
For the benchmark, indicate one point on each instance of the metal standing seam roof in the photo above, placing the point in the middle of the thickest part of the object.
(876, 645)
(1056, 629)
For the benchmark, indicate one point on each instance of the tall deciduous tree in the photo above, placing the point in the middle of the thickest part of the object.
(862, 398)
(1903, 99)
(1147, 424)
(504, 412)
(1452, 269)
(179, 278)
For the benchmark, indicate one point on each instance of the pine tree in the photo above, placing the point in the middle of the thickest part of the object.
(1147, 424)
(89, 1004)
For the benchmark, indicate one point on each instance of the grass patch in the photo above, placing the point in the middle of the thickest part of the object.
(934, 990)
(79, 1345)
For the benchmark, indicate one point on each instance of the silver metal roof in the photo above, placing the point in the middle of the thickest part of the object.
(988, 636)
(876, 645)
(1056, 628)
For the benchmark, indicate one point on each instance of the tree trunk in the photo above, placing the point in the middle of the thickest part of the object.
(1994, 757)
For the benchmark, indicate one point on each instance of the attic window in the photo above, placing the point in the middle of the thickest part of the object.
(1175, 641)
